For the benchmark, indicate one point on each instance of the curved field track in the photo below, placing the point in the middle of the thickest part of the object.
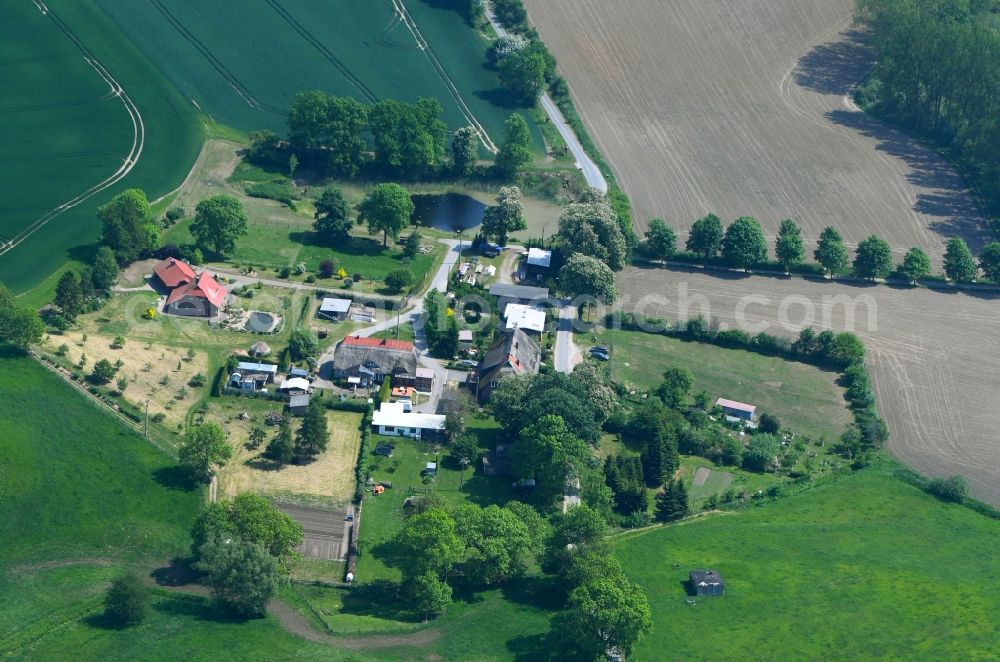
(742, 107)
(933, 356)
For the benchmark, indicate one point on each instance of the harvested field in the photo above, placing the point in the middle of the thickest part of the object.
(325, 531)
(328, 480)
(933, 356)
(741, 107)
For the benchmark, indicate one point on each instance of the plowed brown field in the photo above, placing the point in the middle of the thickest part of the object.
(934, 357)
(742, 107)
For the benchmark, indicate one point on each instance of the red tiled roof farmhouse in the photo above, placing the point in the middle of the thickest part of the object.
(206, 287)
(174, 272)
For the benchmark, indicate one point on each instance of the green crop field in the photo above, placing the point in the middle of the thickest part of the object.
(243, 62)
(66, 135)
(805, 398)
(80, 497)
(867, 567)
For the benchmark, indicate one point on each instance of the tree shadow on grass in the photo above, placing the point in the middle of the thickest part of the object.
(501, 98)
(356, 246)
(533, 648)
(540, 592)
(380, 599)
(261, 464)
(198, 607)
(175, 478)
(179, 572)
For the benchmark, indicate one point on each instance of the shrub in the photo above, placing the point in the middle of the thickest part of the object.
(325, 269)
(953, 489)
(197, 381)
(127, 601)
(284, 272)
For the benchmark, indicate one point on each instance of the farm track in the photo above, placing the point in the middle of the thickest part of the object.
(422, 44)
(743, 107)
(241, 90)
(358, 84)
(130, 160)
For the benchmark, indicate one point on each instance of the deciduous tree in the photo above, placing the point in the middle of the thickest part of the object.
(505, 217)
(515, 152)
(105, 269)
(788, 247)
(387, 209)
(661, 240)
(127, 600)
(916, 265)
(959, 265)
(705, 237)
(19, 325)
(744, 244)
(989, 261)
(218, 222)
(548, 453)
(873, 258)
(830, 251)
(497, 543)
(464, 151)
(428, 543)
(604, 614)
(204, 447)
(523, 74)
(592, 228)
(127, 226)
(242, 575)
(676, 385)
(583, 275)
(332, 218)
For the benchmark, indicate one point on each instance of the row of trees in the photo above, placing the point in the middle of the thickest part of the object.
(343, 137)
(742, 244)
(938, 71)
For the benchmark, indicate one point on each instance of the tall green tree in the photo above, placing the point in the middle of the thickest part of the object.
(549, 453)
(19, 325)
(705, 237)
(218, 222)
(464, 151)
(345, 126)
(788, 247)
(661, 240)
(242, 575)
(429, 594)
(203, 449)
(128, 229)
(428, 543)
(676, 385)
(592, 228)
(505, 217)
(409, 138)
(332, 219)
(578, 531)
(672, 502)
(989, 261)
(583, 275)
(515, 152)
(604, 614)
(251, 518)
(69, 295)
(105, 268)
(523, 74)
(281, 449)
(497, 543)
(873, 258)
(313, 434)
(959, 265)
(387, 209)
(830, 251)
(744, 244)
(916, 265)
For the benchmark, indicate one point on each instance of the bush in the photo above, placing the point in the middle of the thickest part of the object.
(127, 601)
(326, 269)
(197, 380)
(399, 279)
(175, 214)
(953, 489)
(280, 190)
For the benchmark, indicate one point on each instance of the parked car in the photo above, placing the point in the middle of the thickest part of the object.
(601, 349)
(469, 363)
(600, 356)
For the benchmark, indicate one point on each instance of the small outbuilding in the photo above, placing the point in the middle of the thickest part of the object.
(260, 349)
(465, 339)
(298, 404)
(335, 310)
(538, 262)
(431, 469)
(295, 386)
(706, 582)
(738, 410)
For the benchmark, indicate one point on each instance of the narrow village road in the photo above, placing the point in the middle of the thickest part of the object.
(595, 179)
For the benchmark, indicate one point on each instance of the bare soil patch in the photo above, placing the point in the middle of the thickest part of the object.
(741, 107)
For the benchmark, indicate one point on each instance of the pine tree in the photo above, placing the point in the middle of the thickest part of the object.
(69, 295)
(672, 502)
(652, 462)
(312, 437)
(281, 449)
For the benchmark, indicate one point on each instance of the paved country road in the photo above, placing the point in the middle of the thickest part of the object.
(586, 165)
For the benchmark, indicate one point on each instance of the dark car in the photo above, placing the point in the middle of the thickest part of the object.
(600, 356)
(600, 348)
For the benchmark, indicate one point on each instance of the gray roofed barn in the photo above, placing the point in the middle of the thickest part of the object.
(706, 582)
(519, 293)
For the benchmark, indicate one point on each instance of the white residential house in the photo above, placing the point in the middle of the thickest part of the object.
(394, 421)
(523, 317)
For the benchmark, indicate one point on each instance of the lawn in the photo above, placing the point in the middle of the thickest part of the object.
(81, 498)
(63, 132)
(805, 398)
(345, 48)
(862, 568)
(329, 479)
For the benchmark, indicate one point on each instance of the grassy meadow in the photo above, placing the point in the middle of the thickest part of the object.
(363, 50)
(867, 567)
(64, 132)
(806, 399)
(82, 498)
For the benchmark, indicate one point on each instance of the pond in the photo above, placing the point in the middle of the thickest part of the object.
(260, 322)
(447, 211)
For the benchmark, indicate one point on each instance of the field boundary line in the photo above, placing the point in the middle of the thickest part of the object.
(131, 159)
(422, 44)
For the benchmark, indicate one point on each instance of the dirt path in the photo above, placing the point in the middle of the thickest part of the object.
(28, 568)
(296, 623)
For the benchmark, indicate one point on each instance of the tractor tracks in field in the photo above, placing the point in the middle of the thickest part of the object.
(241, 90)
(131, 158)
